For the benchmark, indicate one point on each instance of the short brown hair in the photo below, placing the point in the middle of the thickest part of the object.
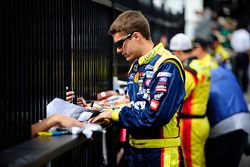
(131, 21)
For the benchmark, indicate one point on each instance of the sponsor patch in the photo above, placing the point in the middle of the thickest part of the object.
(138, 105)
(164, 74)
(142, 74)
(148, 56)
(145, 96)
(161, 83)
(147, 82)
(154, 105)
(141, 91)
(149, 67)
(149, 74)
(158, 96)
(136, 78)
(140, 81)
(131, 76)
(163, 79)
(161, 88)
(148, 91)
(135, 67)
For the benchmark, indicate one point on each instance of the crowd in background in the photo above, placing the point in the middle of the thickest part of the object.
(230, 42)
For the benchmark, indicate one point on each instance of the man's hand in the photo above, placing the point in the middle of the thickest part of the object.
(81, 102)
(69, 96)
(68, 122)
(102, 116)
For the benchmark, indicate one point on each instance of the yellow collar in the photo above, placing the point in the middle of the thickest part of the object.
(150, 55)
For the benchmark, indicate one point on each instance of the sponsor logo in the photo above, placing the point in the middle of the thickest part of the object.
(136, 78)
(145, 96)
(149, 56)
(139, 105)
(158, 96)
(140, 81)
(149, 67)
(147, 82)
(160, 88)
(164, 74)
(135, 67)
(148, 91)
(141, 91)
(154, 105)
(149, 74)
(161, 83)
(142, 74)
(163, 79)
(131, 76)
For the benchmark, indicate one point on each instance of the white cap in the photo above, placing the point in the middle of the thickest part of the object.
(180, 42)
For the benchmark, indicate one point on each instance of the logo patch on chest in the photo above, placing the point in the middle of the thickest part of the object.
(154, 105)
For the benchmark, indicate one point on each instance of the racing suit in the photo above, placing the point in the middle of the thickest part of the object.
(209, 62)
(222, 57)
(156, 90)
(228, 115)
(194, 122)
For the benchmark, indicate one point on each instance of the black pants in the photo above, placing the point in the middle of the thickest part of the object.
(226, 150)
(241, 70)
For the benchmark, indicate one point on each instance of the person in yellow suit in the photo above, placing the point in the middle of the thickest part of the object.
(221, 55)
(194, 122)
(200, 47)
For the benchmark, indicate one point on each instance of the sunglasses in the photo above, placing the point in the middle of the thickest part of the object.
(119, 43)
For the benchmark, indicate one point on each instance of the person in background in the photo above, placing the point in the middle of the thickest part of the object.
(229, 120)
(220, 54)
(240, 42)
(227, 113)
(156, 91)
(226, 30)
(194, 122)
(200, 50)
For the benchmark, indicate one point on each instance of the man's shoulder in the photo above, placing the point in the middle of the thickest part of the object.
(167, 58)
(166, 53)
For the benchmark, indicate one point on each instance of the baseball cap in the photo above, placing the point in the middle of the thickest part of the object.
(180, 42)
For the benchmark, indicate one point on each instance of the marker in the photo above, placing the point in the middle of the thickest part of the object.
(57, 133)
(92, 103)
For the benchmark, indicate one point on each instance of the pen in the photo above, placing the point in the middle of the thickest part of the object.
(92, 103)
(59, 133)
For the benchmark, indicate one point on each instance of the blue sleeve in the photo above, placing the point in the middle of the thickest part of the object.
(166, 96)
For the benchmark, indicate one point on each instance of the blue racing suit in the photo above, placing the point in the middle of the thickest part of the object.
(156, 89)
(223, 104)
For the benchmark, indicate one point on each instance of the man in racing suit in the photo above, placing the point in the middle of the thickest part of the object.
(156, 91)
(194, 122)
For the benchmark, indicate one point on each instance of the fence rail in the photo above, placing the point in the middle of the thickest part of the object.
(44, 150)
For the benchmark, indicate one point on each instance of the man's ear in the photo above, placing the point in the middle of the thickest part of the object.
(137, 35)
